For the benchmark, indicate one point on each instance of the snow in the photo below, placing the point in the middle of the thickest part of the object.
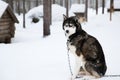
(77, 8)
(35, 12)
(32, 57)
(3, 6)
(57, 12)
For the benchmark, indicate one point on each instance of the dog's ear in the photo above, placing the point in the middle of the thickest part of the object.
(64, 17)
(79, 28)
(76, 19)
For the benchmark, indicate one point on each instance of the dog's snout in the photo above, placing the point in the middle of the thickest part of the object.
(67, 31)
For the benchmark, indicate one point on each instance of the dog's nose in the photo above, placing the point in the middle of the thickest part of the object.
(67, 31)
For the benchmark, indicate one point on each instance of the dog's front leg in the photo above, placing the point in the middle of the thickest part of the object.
(77, 68)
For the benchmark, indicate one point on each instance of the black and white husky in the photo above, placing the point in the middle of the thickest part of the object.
(87, 50)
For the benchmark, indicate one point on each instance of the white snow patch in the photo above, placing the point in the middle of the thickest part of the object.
(57, 12)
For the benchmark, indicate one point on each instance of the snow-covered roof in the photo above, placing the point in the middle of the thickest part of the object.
(3, 6)
(57, 12)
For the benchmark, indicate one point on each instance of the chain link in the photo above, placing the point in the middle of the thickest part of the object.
(69, 62)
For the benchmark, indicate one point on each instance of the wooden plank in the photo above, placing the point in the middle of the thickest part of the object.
(4, 27)
(4, 24)
(7, 31)
(5, 35)
(6, 38)
(6, 15)
(113, 10)
(5, 19)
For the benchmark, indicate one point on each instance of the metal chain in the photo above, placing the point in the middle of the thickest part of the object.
(69, 62)
(70, 68)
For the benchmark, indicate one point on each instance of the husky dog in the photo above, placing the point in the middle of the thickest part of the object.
(86, 49)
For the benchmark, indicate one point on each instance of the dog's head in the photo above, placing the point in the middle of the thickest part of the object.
(71, 25)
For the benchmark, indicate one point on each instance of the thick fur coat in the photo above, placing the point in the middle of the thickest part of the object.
(86, 48)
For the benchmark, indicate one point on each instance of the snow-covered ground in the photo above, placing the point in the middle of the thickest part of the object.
(32, 57)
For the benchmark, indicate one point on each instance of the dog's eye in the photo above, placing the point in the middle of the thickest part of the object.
(66, 25)
(70, 25)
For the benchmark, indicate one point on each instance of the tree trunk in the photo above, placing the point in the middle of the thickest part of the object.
(103, 6)
(66, 5)
(96, 6)
(23, 13)
(47, 17)
(29, 5)
(61, 2)
(36, 2)
(86, 10)
(78, 1)
(111, 8)
(53, 1)
(18, 6)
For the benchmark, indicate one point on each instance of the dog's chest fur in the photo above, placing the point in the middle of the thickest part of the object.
(74, 46)
(73, 49)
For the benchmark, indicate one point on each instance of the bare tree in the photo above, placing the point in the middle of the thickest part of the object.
(37, 2)
(53, 1)
(111, 8)
(47, 17)
(29, 5)
(23, 13)
(96, 6)
(18, 6)
(86, 10)
(61, 2)
(78, 1)
(66, 5)
(103, 6)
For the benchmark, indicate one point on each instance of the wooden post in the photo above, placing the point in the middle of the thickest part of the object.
(103, 6)
(86, 10)
(111, 8)
(29, 5)
(66, 5)
(37, 2)
(23, 13)
(53, 1)
(96, 6)
(47, 17)
(78, 1)
(18, 6)
(61, 2)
